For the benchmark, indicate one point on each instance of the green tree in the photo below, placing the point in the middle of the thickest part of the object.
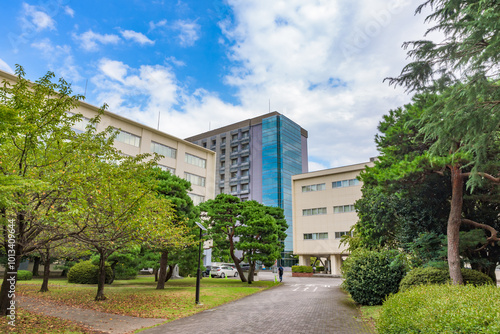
(181, 248)
(464, 122)
(260, 234)
(38, 154)
(223, 218)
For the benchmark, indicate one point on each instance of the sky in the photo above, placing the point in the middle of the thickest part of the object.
(200, 65)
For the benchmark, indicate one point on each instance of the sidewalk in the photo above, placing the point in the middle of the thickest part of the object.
(301, 305)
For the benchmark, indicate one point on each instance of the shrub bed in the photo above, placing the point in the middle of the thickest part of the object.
(302, 269)
(442, 309)
(422, 276)
(87, 273)
(369, 276)
(24, 275)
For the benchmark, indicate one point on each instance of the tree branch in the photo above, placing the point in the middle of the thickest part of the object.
(485, 175)
(491, 239)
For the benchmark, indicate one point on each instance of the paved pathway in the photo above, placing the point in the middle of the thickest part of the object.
(301, 305)
(104, 322)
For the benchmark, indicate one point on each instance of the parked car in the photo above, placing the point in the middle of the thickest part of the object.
(223, 271)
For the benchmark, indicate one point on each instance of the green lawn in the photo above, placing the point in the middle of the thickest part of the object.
(140, 298)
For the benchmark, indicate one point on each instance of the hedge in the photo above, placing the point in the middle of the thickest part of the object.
(422, 276)
(369, 276)
(87, 273)
(302, 269)
(24, 275)
(443, 309)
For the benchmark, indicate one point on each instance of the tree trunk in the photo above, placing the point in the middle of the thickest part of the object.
(251, 272)
(162, 272)
(236, 260)
(454, 221)
(101, 280)
(170, 272)
(36, 264)
(46, 271)
(155, 272)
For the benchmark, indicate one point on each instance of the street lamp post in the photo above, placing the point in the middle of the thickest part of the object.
(198, 274)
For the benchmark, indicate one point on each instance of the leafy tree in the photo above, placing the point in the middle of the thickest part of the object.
(38, 154)
(405, 203)
(179, 248)
(111, 215)
(464, 121)
(260, 234)
(223, 216)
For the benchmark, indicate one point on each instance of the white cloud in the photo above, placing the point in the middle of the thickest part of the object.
(188, 32)
(136, 37)
(60, 59)
(295, 55)
(159, 24)
(36, 19)
(89, 40)
(5, 67)
(69, 11)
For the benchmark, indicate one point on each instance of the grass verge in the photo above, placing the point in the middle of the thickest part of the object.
(139, 297)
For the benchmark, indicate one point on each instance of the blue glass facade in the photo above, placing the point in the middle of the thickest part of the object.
(281, 158)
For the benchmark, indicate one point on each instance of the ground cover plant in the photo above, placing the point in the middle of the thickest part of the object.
(140, 298)
(443, 309)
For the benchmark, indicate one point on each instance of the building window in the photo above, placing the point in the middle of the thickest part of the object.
(244, 187)
(79, 126)
(194, 160)
(244, 134)
(197, 199)
(244, 160)
(195, 179)
(339, 235)
(223, 151)
(234, 162)
(167, 169)
(222, 177)
(222, 164)
(223, 140)
(313, 187)
(345, 183)
(316, 236)
(234, 174)
(314, 212)
(234, 137)
(166, 151)
(214, 142)
(244, 173)
(221, 190)
(234, 149)
(244, 147)
(343, 208)
(234, 189)
(128, 138)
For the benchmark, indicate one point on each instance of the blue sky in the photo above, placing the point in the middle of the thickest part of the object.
(206, 64)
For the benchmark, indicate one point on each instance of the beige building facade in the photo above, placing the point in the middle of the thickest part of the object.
(323, 211)
(182, 158)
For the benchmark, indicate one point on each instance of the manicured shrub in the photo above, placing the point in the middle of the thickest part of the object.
(320, 268)
(87, 273)
(443, 309)
(302, 269)
(369, 276)
(24, 275)
(422, 276)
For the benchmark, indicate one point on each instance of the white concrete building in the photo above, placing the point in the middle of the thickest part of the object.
(323, 211)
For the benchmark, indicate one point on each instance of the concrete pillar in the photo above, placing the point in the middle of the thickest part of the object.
(336, 263)
(304, 260)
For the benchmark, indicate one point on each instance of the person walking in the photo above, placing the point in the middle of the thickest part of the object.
(280, 273)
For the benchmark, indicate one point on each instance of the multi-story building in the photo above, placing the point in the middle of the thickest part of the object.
(323, 212)
(256, 160)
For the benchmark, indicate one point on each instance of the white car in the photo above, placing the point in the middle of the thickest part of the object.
(223, 271)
